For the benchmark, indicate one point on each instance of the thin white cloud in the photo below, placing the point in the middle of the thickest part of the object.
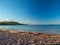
(7, 19)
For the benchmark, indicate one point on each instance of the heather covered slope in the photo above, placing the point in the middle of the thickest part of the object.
(13, 37)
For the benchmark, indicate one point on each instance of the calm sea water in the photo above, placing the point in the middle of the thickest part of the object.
(54, 29)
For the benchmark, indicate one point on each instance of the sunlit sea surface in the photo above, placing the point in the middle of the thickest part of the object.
(53, 29)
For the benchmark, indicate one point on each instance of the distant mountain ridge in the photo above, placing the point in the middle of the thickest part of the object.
(10, 23)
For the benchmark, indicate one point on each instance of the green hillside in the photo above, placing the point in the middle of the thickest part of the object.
(10, 23)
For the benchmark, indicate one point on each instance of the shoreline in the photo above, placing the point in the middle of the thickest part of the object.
(28, 31)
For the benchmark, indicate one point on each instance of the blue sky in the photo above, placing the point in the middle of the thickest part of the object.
(31, 11)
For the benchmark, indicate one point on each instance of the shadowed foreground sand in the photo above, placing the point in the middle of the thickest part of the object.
(13, 37)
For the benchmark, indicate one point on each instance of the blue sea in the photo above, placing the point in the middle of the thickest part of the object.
(53, 29)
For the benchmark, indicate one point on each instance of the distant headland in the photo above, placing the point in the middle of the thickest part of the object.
(11, 23)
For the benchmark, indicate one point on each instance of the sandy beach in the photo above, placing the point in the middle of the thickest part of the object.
(14, 37)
